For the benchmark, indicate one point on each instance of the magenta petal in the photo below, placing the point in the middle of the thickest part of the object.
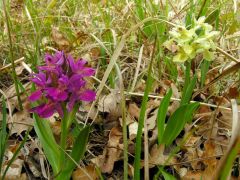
(62, 96)
(71, 63)
(88, 72)
(80, 63)
(58, 108)
(37, 109)
(87, 95)
(35, 95)
(49, 58)
(44, 110)
(72, 100)
(60, 58)
(57, 94)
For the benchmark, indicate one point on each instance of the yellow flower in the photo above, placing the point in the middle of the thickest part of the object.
(190, 42)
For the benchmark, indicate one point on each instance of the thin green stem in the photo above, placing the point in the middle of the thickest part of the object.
(14, 75)
(137, 160)
(63, 140)
(186, 80)
(65, 125)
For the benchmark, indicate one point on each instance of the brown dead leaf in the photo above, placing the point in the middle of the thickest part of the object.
(95, 53)
(153, 136)
(133, 128)
(110, 103)
(134, 110)
(129, 120)
(192, 175)
(19, 70)
(11, 94)
(111, 153)
(191, 154)
(87, 173)
(151, 122)
(157, 156)
(60, 40)
(233, 92)
(211, 163)
(15, 169)
(21, 122)
(56, 128)
(33, 166)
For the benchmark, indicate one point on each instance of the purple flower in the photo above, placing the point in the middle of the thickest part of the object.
(78, 67)
(61, 84)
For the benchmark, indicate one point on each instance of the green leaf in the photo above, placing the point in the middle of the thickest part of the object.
(204, 69)
(48, 142)
(3, 133)
(167, 176)
(161, 116)
(171, 67)
(188, 92)
(15, 154)
(140, 12)
(77, 153)
(177, 122)
(212, 16)
(190, 14)
(204, 8)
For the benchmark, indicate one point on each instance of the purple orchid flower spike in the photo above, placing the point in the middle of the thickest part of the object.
(78, 67)
(61, 84)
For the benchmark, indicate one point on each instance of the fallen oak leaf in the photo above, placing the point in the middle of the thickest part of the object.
(111, 153)
(21, 121)
(157, 156)
(85, 173)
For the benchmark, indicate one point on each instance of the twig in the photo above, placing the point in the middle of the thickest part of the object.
(124, 126)
(9, 65)
(137, 69)
(227, 54)
(176, 99)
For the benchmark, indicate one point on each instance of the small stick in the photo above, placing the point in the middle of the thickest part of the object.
(227, 54)
(176, 99)
(10, 65)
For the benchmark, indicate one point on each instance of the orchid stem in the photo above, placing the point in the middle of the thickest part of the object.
(63, 141)
(65, 125)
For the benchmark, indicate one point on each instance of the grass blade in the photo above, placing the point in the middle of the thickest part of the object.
(141, 123)
(3, 133)
(15, 154)
(213, 16)
(161, 116)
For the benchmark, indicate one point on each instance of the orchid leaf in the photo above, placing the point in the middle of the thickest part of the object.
(189, 90)
(177, 122)
(77, 153)
(48, 142)
(162, 112)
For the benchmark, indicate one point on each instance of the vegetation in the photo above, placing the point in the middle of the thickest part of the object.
(119, 89)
